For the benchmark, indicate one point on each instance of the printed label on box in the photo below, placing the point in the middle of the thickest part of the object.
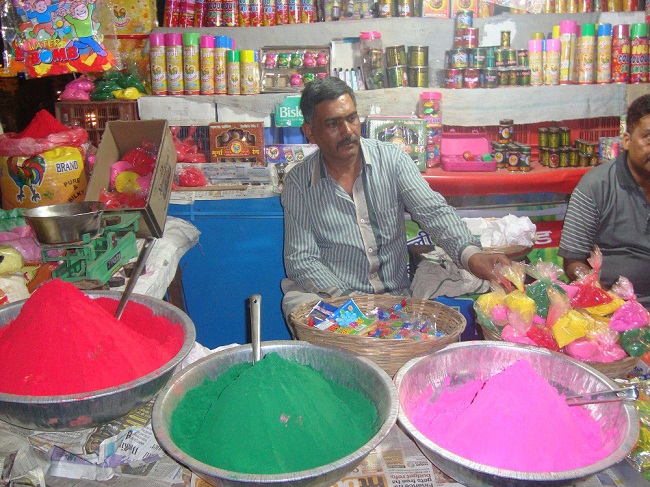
(237, 142)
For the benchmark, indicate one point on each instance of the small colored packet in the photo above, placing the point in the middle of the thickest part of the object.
(570, 327)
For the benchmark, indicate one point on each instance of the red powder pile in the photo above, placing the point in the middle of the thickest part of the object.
(42, 125)
(64, 342)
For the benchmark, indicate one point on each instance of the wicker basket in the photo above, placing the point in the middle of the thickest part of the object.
(389, 354)
(614, 370)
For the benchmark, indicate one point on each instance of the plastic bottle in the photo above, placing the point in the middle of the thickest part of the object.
(429, 108)
(535, 62)
(372, 57)
(207, 65)
(552, 67)
(639, 53)
(567, 51)
(191, 63)
(587, 53)
(233, 72)
(221, 45)
(158, 63)
(621, 53)
(604, 54)
(174, 57)
(247, 72)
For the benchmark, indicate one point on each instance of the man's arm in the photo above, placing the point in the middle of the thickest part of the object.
(575, 269)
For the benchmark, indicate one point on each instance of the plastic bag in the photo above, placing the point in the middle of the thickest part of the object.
(630, 315)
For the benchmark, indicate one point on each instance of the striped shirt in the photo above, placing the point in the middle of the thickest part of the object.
(609, 209)
(337, 244)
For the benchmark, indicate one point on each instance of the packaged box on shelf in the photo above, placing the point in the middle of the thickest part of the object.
(436, 8)
(464, 5)
(234, 175)
(237, 142)
(288, 153)
(288, 68)
(409, 133)
(121, 137)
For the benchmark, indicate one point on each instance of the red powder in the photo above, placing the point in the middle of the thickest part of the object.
(42, 125)
(64, 342)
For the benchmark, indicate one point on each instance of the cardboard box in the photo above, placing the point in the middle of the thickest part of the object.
(121, 137)
(436, 8)
(237, 142)
(459, 5)
(409, 133)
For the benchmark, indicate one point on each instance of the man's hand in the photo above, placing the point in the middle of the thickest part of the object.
(482, 265)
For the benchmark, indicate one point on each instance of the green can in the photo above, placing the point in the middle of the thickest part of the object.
(543, 156)
(564, 157)
(553, 138)
(523, 76)
(553, 158)
(512, 162)
(565, 136)
(542, 137)
(500, 154)
(524, 158)
(512, 77)
(504, 76)
(500, 58)
(573, 157)
(583, 159)
(594, 160)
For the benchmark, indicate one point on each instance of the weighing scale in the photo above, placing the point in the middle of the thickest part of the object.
(96, 258)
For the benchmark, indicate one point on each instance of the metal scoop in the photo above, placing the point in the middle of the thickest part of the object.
(623, 394)
(255, 303)
(135, 274)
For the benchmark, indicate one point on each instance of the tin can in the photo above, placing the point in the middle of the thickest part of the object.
(418, 76)
(523, 76)
(542, 137)
(268, 12)
(524, 158)
(583, 159)
(470, 37)
(404, 8)
(458, 58)
(214, 14)
(230, 13)
(590, 148)
(511, 57)
(281, 12)
(491, 77)
(295, 11)
(594, 160)
(522, 57)
(621, 46)
(397, 76)
(564, 157)
(512, 77)
(395, 56)
(500, 154)
(458, 39)
(543, 156)
(471, 78)
(418, 56)
(505, 131)
(565, 136)
(453, 78)
(554, 158)
(573, 157)
(476, 58)
(512, 161)
(503, 74)
(554, 138)
(244, 15)
(500, 58)
(505, 39)
(464, 18)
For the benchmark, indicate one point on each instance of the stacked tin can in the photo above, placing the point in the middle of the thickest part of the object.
(556, 149)
(396, 67)
(513, 68)
(507, 153)
(429, 108)
(418, 66)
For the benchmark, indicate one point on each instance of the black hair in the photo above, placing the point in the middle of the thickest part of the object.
(322, 89)
(638, 109)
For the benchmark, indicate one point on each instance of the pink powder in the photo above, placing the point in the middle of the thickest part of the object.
(516, 421)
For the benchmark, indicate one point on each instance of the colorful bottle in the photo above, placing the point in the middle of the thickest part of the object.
(207, 65)
(191, 63)
(604, 54)
(567, 51)
(621, 53)
(174, 57)
(535, 62)
(639, 53)
(247, 72)
(552, 67)
(158, 63)
(233, 71)
(586, 55)
(222, 44)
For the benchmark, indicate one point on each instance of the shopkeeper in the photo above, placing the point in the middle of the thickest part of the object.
(610, 208)
(344, 224)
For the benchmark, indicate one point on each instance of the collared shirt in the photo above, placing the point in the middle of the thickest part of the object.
(609, 209)
(336, 244)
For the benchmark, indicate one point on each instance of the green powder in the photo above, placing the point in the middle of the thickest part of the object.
(275, 417)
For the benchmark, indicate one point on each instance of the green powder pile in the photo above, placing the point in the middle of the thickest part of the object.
(275, 417)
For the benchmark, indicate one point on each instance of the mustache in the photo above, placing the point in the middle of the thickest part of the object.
(353, 139)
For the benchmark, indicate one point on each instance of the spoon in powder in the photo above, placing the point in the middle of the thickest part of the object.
(623, 394)
(255, 302)
(135, 274)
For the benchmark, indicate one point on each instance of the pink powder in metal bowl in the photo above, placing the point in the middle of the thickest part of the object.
(515, 420)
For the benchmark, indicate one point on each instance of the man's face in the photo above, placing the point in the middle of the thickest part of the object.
(336, 128)
(637, 145)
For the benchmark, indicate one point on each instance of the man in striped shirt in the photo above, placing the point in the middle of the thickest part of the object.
(344, 209)
(610, 208)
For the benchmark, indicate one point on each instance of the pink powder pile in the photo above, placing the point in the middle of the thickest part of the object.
(515, 420)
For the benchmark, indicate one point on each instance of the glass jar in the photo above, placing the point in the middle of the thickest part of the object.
(372, 60)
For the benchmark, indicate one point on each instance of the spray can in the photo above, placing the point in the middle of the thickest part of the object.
(244, 16)
(604, 54)
(233, 72)
(222, 44)
(174, 57)
(257, 13)
(535, 62)
(281, 12)
(247, 72)
(230, 13)
(200, 13)
(214, 13)
(191, 63)
(187, 13)
(207, 65)
(171, 13)
(639, 53)
(158, 63)
(552, 67)
(586, 54)
(268, 12)
(567, 51)
(621, 53)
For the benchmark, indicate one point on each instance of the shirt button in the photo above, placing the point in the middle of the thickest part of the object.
(372, 276)
(370, 251)
(362, 221)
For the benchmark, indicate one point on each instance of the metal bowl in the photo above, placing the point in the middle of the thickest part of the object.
(85, 410)
(66, 222)
(352, 371)
(467, 361)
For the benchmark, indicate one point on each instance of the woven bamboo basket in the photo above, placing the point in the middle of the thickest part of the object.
(389, 354)
(614, 370)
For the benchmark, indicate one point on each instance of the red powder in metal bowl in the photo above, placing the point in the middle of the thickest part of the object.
(63, 342)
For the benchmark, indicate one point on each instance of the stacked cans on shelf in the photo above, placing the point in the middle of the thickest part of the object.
(507, 153)
(557, 150)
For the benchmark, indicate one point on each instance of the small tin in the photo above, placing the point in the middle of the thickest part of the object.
(512, 77)
(554, 138)
(543, 156)
(503, 74)
(458, 38)
(397, 76)
(511, 57)
(505, 38)
(470, 37)
(565, 136)
(471, 78)
(573, 157)
(395, 56)
(464, 18)
(554, 158)
(418, 76)
(590, 148)
(418, 56)
(476, 58)
(453, 78)
(500, 154)
(523, 76)
(505, 131)
(583, 159)
(491, 77)
(524, 158)
(458, 58)
(564, 157)
(500, 58)
(512, 162)
(594, 160)
(522, 57)
(542, 137)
